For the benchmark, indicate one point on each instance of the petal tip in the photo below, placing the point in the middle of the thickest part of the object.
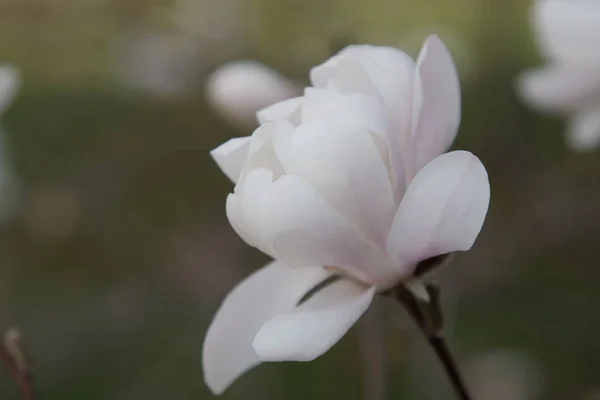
(433, 38)
(212, 378)
(215, 388)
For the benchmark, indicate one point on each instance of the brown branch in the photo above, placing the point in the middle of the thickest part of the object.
(13, 357)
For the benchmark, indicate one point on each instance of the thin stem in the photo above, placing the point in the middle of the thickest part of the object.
(440, 347)
(21, 375)
(428, 316)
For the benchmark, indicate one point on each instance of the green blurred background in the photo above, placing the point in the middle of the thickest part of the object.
(117, 250)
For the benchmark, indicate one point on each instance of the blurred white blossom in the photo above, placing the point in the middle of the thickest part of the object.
(349, 181)
(9, 85)
(239, 89)
(9, 184)
(567, 33)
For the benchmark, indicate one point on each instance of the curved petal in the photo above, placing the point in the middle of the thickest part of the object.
(559, 88)
(261, 153)
(9, 84)
(313, 328)
(304, 230)
(568, 31)
(274, 289)
(583, 132)
(443, 209)
(340, 159)
(240, 155)
(287, 109)
(245, 209)
(231, 155)
(322, 75)
(439, 109)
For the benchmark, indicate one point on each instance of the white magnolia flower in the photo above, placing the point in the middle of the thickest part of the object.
(568, 33)
(237, 90)
(348, 179)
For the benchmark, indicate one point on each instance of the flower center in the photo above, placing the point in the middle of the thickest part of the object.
(354, 276)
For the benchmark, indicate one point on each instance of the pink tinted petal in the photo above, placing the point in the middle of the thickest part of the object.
(310, 330)
(442, 211)
(272, 290)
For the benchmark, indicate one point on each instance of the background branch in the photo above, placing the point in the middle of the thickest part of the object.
(13, 357)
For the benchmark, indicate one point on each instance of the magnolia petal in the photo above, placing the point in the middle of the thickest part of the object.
(340, 159)
(272, 290)
(392, 72)
(287, 109)
(245, 209)
(261, 153)
(382, 72)
(583, 132)
(442, 211)
(365, 110)
(305, 230)
(567, 31)
(379, 71)
(231, 155)
(233, 211)
(9, 84)
(559, 88)
(439, 108)
(321, 75)
(313, 328)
